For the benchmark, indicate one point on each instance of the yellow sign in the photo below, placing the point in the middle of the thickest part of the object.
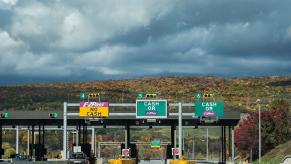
(94, 109)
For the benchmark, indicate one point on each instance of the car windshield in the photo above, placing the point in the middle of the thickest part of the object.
(78, 156)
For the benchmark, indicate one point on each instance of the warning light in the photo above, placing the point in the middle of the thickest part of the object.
(153, 95)
(54, 115)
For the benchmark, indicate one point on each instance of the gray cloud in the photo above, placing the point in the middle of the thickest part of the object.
(68, 40)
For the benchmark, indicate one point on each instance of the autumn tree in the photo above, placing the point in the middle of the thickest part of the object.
(274, 131)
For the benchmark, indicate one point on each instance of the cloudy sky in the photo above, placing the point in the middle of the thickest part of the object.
(79, 40)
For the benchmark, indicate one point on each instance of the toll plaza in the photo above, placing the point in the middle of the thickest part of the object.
(151, 113)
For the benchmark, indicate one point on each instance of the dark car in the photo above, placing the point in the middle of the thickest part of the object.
(79, 158)
(19, 157)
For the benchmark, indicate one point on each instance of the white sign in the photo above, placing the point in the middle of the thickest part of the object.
(175, 151)
(125, 152)
(77, 149)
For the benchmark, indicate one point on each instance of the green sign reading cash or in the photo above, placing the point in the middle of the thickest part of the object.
(151, 108)
(209, 108)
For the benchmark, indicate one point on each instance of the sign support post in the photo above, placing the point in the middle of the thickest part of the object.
(65, 132)
(93, 139)
(17, 140)
(232, 144)
(207, 144)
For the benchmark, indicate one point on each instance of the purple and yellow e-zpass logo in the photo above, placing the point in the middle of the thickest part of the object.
(94, 109)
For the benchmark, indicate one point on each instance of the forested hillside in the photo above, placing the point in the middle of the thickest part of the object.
(238, 93)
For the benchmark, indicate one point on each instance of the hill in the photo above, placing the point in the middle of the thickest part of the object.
(277, 154)
(238, 93)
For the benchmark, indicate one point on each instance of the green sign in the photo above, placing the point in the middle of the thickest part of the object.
(140, 96)
(209, 108)
(151, 108)
(83, 95)
(56, 114)
(198, 95)
(4, 115)
(156, 144)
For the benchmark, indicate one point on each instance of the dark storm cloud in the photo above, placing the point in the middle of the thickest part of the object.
(62, 40)
(5, 18)
(237, 28)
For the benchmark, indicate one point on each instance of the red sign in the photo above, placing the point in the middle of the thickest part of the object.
(125, 152)
(175, 151)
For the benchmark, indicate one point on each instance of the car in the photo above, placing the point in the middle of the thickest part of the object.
(79, 157)
(19, 157)
(286, 159)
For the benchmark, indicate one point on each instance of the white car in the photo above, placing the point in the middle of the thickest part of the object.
(286, 160)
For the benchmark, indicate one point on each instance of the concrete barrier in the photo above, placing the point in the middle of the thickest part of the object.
(99, 161)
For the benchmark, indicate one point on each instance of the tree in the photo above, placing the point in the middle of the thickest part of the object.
(274, 130)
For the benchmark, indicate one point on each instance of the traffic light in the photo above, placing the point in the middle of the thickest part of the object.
(93, 95)
(4, 115)
(153, 95)
(54, 115)
(133, 151)
(207, 95)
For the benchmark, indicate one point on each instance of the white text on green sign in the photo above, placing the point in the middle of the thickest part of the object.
(198, 95)
(209, 108)
(151, 108)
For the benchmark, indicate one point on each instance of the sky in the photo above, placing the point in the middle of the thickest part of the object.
(77, 40)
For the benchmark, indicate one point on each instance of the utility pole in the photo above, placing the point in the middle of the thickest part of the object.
(260, 140)
(180, 129)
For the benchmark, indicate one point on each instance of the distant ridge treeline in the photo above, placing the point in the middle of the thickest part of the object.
(238, 93)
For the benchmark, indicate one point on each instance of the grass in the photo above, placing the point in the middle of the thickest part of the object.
(277, 154)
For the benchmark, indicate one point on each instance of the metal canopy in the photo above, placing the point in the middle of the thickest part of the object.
(117, 119)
